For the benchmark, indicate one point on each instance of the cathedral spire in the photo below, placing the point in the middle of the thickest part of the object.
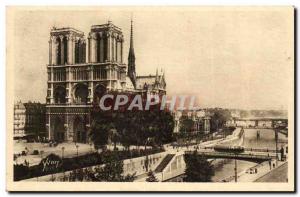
(131, 58)
(131, 49)
(156, 76)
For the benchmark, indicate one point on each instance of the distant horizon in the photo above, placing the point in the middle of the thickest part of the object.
(240, 109)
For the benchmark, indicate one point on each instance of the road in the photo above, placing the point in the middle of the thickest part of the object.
(70, 150)
(277, 175)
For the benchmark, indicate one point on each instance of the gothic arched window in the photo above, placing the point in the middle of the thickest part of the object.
(65, 43)
(81, 94)
(60, 95)
(58, 50)
(98, 48)
(76, 52)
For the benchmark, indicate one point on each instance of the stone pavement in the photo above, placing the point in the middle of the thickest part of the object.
(257, 171)
(70, 150)
(44, 149)
(279, 174)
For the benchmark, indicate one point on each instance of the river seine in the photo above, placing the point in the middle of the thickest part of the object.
(265, 140)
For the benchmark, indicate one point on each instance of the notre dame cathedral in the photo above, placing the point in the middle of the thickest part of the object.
(80, 71)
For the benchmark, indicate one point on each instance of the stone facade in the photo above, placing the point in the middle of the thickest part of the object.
(29, 120)
(19, 120)
(35, 124)
(200, 118)
(75, 82)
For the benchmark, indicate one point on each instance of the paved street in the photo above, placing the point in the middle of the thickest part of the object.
(261, 170)
(70, 150)
(277, 175)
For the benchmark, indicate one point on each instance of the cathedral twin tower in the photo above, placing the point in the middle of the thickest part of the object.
(68, 45)
(67, 62)
(74, 82)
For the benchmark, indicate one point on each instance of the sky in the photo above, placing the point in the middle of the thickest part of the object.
(226, 57)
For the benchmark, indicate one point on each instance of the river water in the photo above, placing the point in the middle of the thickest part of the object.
(266, 140)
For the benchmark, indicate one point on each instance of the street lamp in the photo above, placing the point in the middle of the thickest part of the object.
(147, 157)
(41, 153)
(91, 145)
(235, 169)
(62, 160)
(62, 152)
(276, 142)
(77, 146)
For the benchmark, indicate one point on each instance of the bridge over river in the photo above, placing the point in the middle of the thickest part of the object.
(255, 151)
(256, 156)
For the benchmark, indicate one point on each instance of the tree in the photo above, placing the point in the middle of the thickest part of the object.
(186, 124)
(165, 127)
(151, 177)
(185, 129)
(122, 127)
(20, 172)
(219, 118)
(114, 137)
(100, 127)
(198, 169)
(132, 127)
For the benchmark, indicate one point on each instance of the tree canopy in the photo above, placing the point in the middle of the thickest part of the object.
(132, 127)
(151, 177)
(198, 169)
(112, 170)
(219, 118)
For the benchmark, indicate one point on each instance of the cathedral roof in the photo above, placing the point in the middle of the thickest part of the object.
(148, 80)
(142, 80)
(19, 105)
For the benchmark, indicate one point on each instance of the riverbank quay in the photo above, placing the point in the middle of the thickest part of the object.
(176, 165)
(277, 175)
(256, 172)
(130, 166)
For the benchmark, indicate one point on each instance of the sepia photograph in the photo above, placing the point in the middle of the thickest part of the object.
(120, 98)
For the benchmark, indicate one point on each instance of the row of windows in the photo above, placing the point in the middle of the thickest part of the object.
(19, 131)
(19, 114)
(101, 50)
(82, 74)
(79, 74)
(116, 50)
(18, 119)
(100, 73)
(59, 75)
(62, 51)
(19, 124)
(80, 49)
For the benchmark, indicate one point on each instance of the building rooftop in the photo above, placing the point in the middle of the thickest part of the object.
(149, 80)
(108, 25)
(56, 30)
